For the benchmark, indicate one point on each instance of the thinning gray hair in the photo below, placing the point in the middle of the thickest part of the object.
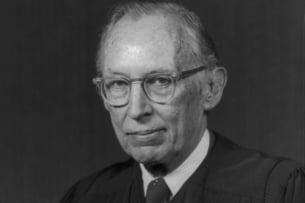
(193, 44)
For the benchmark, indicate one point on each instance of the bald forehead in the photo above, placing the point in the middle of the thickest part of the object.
(139, 42)
(145, 29)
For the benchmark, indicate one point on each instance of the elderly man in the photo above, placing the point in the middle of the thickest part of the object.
(159, 76)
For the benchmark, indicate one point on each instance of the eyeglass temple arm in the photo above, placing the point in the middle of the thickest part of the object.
(188, 73)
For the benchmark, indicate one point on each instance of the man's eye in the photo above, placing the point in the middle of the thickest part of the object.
(116, 84)
(160, 81)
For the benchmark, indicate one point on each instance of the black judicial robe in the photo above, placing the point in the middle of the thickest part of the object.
(229, 174)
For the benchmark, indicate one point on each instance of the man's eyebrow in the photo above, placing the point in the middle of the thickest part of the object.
(155, 71)
(118, 73)
(159, 70)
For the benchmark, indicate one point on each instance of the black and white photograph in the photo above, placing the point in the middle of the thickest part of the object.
(152, 101)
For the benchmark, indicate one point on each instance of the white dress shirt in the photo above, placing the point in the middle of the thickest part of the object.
(179, 176)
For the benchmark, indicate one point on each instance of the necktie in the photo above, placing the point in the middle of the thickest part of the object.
(158, 192)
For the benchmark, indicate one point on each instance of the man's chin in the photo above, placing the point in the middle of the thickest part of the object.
(147, 156)
(145, 159)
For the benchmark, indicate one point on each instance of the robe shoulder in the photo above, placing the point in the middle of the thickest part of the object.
(286, 183)
(102, 182)
(251, 174)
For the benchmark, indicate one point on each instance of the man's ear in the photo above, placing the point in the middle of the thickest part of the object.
(217, 81)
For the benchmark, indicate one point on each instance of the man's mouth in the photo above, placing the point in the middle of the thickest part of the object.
(145, 132)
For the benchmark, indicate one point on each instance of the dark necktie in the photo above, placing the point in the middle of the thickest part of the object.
(158, 192)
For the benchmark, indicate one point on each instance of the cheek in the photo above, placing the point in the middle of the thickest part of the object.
(187, 109)
(174, 125)
(117, 115)
(175, 115)
(117, 123)
(117, 120)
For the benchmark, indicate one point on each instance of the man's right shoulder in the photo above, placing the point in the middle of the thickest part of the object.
(109, 178)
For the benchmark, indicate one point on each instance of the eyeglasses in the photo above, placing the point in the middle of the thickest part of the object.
(158, 87)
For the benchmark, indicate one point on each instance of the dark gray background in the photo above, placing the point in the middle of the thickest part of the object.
(54, 129)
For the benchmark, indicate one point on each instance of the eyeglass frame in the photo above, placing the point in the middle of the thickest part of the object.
(98, 82)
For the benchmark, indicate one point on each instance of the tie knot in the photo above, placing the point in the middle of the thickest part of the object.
(158, 191)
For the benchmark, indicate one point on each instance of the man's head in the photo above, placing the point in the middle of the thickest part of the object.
(156, 124)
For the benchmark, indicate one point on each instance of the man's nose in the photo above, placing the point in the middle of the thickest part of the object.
(138, 105)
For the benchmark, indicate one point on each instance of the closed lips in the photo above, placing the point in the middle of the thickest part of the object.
(144, 132)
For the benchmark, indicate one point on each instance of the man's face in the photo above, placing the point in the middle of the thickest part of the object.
(148, 131)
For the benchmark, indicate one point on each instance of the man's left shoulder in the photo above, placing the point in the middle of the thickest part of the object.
(232, 155)
(248, 172)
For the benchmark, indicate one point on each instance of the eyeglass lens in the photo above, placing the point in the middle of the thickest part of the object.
(158, 88)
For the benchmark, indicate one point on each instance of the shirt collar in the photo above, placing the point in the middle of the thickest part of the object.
(179, 176)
